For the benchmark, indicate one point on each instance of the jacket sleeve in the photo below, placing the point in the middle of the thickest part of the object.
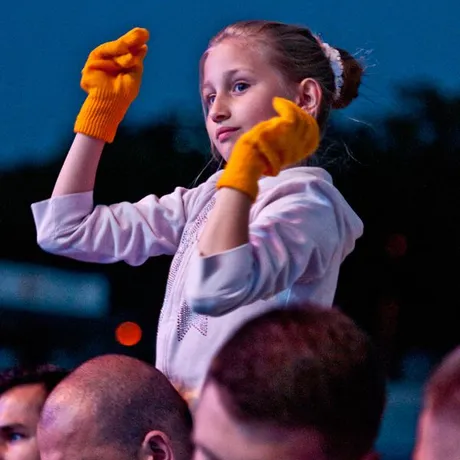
(297, 232)
(71, 226)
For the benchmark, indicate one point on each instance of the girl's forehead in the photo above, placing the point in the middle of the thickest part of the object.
(232, 54)
(232, 48)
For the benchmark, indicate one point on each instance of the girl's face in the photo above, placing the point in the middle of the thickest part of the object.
(238, 87)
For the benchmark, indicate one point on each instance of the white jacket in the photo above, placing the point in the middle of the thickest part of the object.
(301, 229)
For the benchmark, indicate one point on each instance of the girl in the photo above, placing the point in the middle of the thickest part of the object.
(265, 231)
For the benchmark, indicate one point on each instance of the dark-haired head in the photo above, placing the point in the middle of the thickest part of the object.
(23, 391)
(47, 375)
(299, 377)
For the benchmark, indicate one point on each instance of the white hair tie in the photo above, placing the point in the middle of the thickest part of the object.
(336, 62)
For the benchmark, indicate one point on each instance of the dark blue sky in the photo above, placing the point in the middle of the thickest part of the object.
(45, 44)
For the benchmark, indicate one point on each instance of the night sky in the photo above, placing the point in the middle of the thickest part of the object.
(45, 45)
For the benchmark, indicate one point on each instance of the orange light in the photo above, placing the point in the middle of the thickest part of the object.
(128, 333)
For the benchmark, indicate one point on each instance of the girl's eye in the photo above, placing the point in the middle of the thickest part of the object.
(240, 87)
(210, 99)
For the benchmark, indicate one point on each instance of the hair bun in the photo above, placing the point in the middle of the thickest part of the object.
(352, 74)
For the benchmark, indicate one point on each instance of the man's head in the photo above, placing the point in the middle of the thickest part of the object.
(22, 394)
(439, 425)
(116, 408)
(295, 384)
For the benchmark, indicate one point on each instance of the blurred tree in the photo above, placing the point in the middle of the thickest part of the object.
(405, 182)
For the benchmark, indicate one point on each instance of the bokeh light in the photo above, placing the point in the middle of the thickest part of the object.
(128, 333)
(396, 245)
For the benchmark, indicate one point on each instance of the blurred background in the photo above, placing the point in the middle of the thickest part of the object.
(394, 154)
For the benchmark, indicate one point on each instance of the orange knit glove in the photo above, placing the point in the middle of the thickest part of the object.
(112, 78)
(270, 146)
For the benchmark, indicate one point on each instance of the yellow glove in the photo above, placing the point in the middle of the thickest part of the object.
(269, 146)
(112, 78)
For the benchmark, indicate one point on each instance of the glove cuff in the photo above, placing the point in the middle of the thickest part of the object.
(100, 116)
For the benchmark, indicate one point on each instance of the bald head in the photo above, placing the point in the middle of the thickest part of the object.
(118, 407)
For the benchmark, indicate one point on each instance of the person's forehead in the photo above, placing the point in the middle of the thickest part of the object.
(234, 53)
(214, 429)
(230, 439)
(21, 403)
(435, 429)
(210, 412)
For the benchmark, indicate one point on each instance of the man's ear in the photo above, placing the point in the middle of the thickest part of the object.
(156, 446)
